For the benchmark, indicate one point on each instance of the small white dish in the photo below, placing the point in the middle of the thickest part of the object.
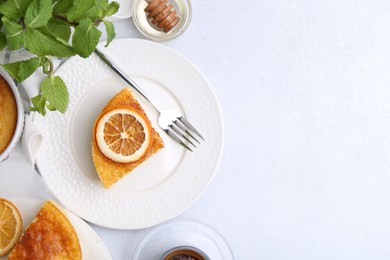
(20, 120)
(144, 25)
(92, 246)
(163, 186)
(125, 10)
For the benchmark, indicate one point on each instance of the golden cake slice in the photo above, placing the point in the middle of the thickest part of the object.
(49, 236)
(122, 138)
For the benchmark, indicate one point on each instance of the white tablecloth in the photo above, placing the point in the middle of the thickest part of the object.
(305, 92)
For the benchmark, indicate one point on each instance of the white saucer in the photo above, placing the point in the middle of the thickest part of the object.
(125, 10)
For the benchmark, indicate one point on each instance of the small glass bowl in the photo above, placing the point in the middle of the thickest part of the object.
(184, 12)
(182, 234)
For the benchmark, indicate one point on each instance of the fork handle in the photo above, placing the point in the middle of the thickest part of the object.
(122, 74)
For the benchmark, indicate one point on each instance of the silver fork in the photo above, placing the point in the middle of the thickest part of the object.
(170, 120)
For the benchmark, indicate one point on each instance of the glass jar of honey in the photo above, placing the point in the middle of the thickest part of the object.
(162, 20)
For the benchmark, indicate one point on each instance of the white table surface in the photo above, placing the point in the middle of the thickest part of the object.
(304, 88)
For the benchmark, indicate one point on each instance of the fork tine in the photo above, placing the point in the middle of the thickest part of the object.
(177, 139)
(187, 124)
(185, 130)
(181, 134)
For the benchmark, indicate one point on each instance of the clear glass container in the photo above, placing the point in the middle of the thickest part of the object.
(145, 26)
(182, 234)
(7, 56)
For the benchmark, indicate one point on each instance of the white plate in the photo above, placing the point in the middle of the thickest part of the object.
(167, 183)
(92, 246)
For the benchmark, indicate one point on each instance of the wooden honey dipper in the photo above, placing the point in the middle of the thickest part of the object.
(162, 14)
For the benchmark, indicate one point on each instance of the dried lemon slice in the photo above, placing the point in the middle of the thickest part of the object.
(123, 135)
(10, 226)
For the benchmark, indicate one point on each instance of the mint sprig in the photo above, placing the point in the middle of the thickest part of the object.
(44, 28)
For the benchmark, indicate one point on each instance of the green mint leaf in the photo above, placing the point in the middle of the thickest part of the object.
(14, 9)
(21, 70)
(28, 67)
(50, 107)
(85, 38)
(111, 9)
(38, 103)
(38, 13)
(55, 92)
(3, 40)
(46, 67)
(102, 4)
(41, 42)
(60, 29)
(110, 31)
(13, 32)
(96, 12)
(93, 13)
(62, 7)
(79, 7)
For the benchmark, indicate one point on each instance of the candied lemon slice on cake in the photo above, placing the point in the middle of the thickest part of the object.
(10, 226)
(123, 135)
